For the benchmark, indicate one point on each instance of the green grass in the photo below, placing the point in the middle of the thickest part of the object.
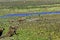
(29, 6)
(48, 28)
(42, 8)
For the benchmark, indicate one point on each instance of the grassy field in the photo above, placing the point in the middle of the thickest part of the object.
(46, 28)
(41, 8)
(29, 6)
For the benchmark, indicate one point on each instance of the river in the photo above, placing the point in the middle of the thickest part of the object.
(28, 14)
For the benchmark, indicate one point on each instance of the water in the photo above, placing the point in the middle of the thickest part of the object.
(28, 14)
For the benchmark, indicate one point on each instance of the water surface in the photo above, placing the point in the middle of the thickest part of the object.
(28, 14)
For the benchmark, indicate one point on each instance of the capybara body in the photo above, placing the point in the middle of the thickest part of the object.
(11, 32)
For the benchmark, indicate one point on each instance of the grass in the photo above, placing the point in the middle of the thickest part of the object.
(47, 28)
(29, 8)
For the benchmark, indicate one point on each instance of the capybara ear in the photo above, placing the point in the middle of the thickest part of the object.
(3, 28)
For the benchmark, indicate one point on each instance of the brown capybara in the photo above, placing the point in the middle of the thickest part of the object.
(11, 21)
(11, 31)
(20, 20)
